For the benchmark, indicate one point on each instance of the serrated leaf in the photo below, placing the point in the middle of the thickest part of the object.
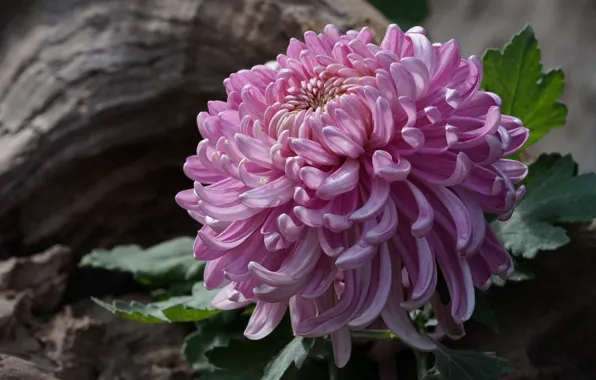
(311, 370)
(294, 352)
(483, 313)
(244, 359)
(195, 307)
(133, 311)
(467, 365)
(554, 195)
(515, 74)
(197, 344)
(166, 264)
(212, 333)
(405, 13)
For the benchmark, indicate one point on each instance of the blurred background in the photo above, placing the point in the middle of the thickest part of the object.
(98, 100)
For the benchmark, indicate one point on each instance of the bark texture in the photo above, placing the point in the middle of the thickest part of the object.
(98, 99)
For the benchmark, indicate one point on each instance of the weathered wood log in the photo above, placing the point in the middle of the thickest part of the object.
(14, 368)
(98, 101)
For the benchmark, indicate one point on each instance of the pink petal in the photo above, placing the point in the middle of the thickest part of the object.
(390, 171)
(340, 143)
(386, 227)
(397, 319)
(272, 194)
(312, 152)
(383, 126)
(427, 276)
(342, 347)
(341, 181)
(381, 294)
(265, 319)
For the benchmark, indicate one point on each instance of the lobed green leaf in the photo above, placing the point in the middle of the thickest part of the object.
(195, 307)
(212, 333)
(515, 74)
(467, 365)
(166, 264)
(294, 352)
(555, 194)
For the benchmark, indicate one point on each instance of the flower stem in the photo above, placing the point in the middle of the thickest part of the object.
(373, 334)
(333, 371)
(421, 364)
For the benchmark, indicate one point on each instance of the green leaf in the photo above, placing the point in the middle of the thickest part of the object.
(554, 195)
(133, 311)
(405, 13)
(197, 344)
(311, 370)
(211, 333)
(467, 365)
(166, 264)
(294, 352)
(245, 359)
(195, 307)
(483, 313)
(515, 74)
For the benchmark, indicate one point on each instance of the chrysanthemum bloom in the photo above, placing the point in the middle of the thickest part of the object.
(340, 181)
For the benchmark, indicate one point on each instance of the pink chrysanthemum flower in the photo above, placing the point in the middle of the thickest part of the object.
(340, 181)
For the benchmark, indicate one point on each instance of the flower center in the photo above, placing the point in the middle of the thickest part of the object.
(315, 93)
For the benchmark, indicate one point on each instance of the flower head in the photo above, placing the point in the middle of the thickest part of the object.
(341, 181)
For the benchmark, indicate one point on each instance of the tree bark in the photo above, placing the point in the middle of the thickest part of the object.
(98, 99)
